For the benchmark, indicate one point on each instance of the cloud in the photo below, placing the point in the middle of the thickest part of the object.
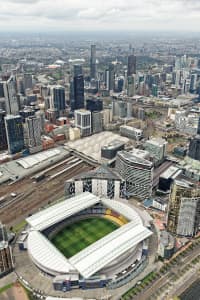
(100, 15)
(23, 1)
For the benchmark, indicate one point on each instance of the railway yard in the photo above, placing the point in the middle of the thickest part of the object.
(21, 198)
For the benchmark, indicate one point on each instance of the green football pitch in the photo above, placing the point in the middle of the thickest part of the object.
(77, 236)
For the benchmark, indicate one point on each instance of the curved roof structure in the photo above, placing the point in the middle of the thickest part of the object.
(46, 256)
(30, 161)
(61, 211)
(93, 258)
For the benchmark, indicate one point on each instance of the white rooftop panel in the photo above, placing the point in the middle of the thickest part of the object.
(44, 254)
(92, 259)
(61, 211)
(35, 159)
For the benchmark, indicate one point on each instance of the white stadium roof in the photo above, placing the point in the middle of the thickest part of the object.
(61, 211)
(45, 255)
(93, 258)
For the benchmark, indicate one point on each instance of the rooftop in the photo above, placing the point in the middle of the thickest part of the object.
(19, 168)
(101, 172)
(136, 157)
(91, 146)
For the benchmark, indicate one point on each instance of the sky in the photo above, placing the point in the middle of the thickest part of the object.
(99, 15)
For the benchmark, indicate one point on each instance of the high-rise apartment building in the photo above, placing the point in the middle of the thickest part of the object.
(97, 121)
(157, 147)
(57, 100)
(135, 168)
(83, 121)
(3, 139)
(194, 148)
(93, 62)
(131, 86)
(14, 133)
(28, 81)
(33, 127)
(12, 107)
(184, 209)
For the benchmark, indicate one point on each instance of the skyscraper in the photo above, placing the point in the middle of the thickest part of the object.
(111, 79)
(93, 62)
(194, 147)
(33, 127)
(94, 104)
(131, 86)
(184, 209)
(131, 65)
(97, 121)
(78, 70)
(57, 100)
(1, 89)
(137, 171)
(83, 121)
(78, 92)
(14, 133)
(10, 95)
(3, 139)
(28, 81)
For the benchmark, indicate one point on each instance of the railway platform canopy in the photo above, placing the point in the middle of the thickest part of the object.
(18, 169)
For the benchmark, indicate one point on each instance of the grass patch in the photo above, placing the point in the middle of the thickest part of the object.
(77, 236)
(6, 287)
(19, 227)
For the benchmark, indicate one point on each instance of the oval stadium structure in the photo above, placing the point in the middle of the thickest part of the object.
(88, 242)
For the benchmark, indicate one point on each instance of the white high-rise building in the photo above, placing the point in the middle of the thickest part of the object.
(83, 121)
(9, 87)
(135, 168)
(33, 126)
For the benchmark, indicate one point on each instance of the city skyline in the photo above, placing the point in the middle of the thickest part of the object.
(43, 15)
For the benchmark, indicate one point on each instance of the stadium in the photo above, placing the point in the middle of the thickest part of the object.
(88, 242)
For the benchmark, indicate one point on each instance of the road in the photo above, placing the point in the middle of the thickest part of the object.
(166, 282)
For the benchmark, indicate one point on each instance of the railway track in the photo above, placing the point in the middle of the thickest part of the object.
(41, 194)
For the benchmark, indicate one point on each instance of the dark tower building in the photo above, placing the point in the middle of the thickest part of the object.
(1, 90)
(78, 70)
(131, 65)
(194, 148)
(198, 64)
(59, 98)
(14, 133)
(93, 62)
(78, 92)
(111, 77)
(3, 139)
(94, 105)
